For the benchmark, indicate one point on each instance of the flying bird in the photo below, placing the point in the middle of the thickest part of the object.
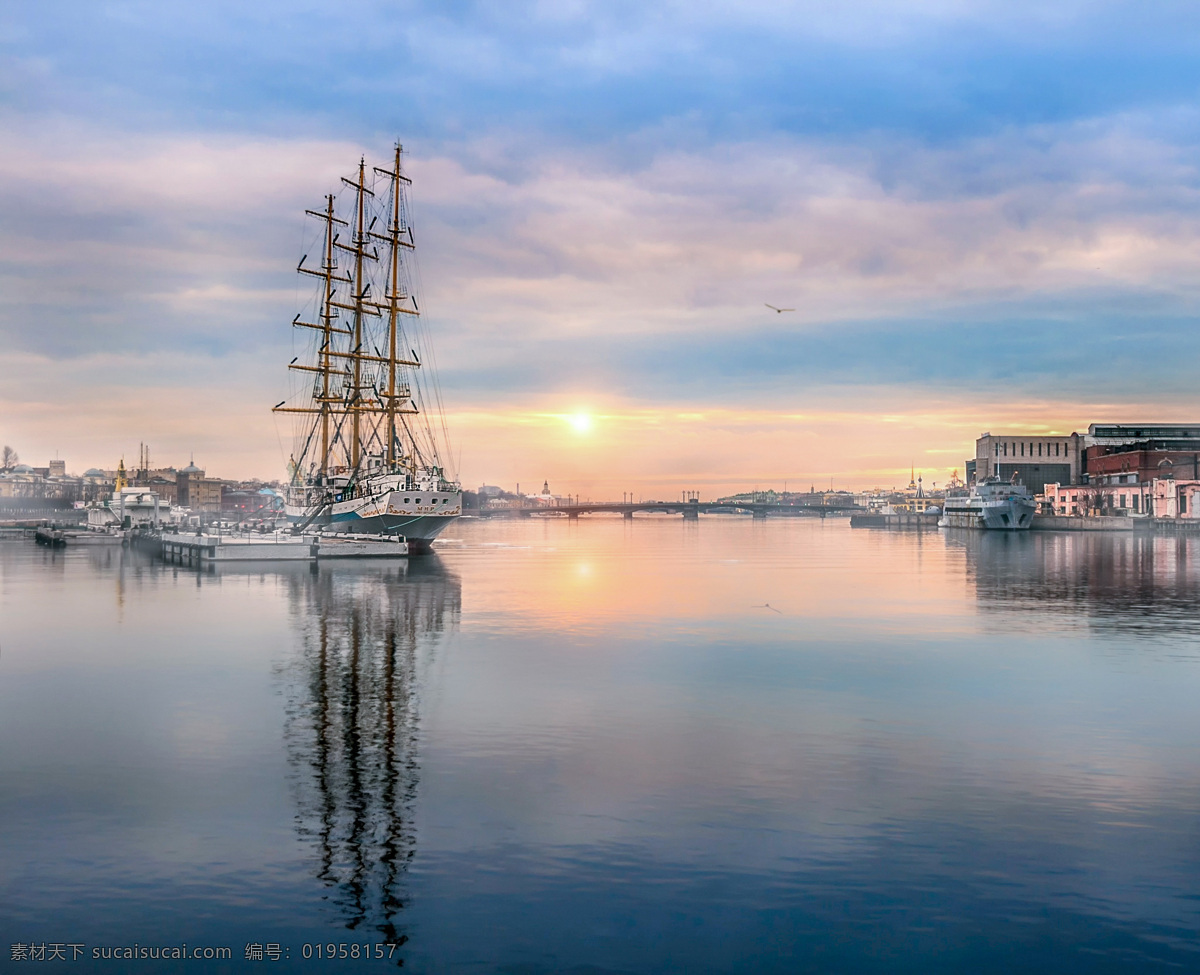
(778, 311)
(770, 607)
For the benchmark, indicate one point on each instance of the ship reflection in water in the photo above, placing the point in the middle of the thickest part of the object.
(1118, 581)
(368, 632)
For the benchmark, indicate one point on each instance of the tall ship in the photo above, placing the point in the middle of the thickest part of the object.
(992, 503)
(370, 445)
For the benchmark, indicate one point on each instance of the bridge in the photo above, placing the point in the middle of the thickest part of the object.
(689, 509)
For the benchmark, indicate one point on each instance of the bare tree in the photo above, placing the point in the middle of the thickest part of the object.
(1095, 501)
(8, 458)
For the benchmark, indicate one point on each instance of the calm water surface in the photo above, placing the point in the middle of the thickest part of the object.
(613, 747)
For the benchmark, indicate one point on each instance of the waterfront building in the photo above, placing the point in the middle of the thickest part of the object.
(20, 482)
(184, 479)
(1035, 461)
(1084, 499)
(63, 489)
(1132, 468)
(1115, 434)
(545, 498)
(194, 490)
(49, 486)
(1158, 497)
(876, 499)
(1140, 461)
(1171, 498)
(95, 485)
(1074, 459)
(164, 487)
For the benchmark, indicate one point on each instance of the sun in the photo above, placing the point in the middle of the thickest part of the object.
(580, 422)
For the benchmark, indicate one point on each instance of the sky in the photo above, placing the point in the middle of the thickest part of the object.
(985, 215)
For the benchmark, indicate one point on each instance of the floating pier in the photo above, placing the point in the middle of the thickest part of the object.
(56, 537)
(213, 549)
(204, 550)
(896, 519)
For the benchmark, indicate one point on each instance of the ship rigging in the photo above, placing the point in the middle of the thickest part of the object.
(367, 455)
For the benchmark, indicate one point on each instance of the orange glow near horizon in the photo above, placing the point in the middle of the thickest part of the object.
(583, 443)
(657, 451)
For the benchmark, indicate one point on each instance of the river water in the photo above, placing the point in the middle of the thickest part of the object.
(611, 746)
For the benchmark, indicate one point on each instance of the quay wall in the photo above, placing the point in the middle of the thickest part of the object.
(1171, 526)
(899, 519)
(1085, 523)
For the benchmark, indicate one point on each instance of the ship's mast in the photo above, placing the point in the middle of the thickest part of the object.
(393, 299)
(332, 405)
(355, 404)
(327, 315)
(398, 236)
(324, 365)
(359, 286)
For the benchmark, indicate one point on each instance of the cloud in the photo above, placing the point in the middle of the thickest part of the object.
(698, 230)
(589, 70)
(953, 197)
(118, 242)
(997, 262)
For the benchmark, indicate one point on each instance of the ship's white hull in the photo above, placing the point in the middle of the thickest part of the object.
(390, 513)
(1008, 514)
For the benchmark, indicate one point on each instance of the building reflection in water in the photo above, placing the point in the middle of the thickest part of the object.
(1128, 581)
(369, 630)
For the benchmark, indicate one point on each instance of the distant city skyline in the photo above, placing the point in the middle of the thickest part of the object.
(985, 217)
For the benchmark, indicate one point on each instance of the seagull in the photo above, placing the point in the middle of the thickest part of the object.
(770, 607)
(778, 311)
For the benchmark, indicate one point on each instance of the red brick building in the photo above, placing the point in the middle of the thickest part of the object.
(1140, 463)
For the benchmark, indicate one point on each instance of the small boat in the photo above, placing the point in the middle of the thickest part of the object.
(991, 504)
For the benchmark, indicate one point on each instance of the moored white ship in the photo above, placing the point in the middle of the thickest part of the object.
(992, 504)
(417, 506)
(367, 457)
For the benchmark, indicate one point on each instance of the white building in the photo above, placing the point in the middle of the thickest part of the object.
(140, 505)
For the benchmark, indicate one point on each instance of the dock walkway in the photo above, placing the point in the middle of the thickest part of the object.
(204, 550)
(212, 549)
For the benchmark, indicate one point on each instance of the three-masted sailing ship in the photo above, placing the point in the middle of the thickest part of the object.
(368, 455)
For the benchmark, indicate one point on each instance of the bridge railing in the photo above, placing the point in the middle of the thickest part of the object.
(574, 506)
